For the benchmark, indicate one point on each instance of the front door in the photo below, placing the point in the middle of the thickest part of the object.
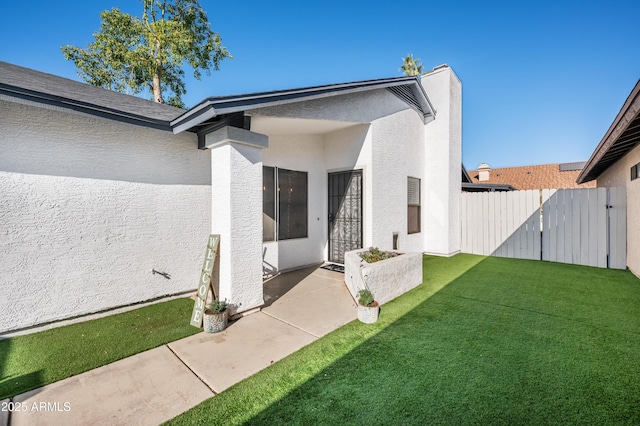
(345, 213)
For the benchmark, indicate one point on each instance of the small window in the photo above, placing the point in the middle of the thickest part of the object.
(413, 205)
(284, 204)
(635, 171)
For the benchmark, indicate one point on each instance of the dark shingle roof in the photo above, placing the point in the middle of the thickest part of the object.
(49, 89)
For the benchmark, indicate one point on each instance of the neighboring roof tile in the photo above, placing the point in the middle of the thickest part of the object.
(542, 176)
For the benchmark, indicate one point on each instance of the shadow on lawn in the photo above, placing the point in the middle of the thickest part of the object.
(505, 342)
(10, 383)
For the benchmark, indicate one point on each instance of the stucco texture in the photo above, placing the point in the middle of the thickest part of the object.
(443, 159)
(236, 203)
(362, 107)
(318, 155)
(619, 175)
(89, 208)
(386, 279)
(386, 140)
(398, 153)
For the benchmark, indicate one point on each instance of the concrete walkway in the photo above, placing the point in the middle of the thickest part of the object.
(159, 384)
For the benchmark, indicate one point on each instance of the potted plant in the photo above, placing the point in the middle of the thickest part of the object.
(216, 316)
(367, 307)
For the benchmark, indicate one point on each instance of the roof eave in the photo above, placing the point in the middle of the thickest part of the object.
(618, 126)
(217, 106)
(84, 107)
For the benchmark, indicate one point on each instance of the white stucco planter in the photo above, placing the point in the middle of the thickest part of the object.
(386, 279)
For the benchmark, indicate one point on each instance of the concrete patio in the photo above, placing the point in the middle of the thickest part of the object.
(157, 385)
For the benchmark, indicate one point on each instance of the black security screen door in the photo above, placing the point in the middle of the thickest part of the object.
(345, 213)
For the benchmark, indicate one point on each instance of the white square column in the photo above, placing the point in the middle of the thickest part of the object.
(236, 214)
(443, 163)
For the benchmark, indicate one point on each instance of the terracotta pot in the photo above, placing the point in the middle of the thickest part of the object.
(215, 322)
(368, 314)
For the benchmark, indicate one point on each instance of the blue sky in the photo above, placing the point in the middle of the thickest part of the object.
(542, 81)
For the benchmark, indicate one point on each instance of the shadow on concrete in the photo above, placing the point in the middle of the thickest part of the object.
(276, 287)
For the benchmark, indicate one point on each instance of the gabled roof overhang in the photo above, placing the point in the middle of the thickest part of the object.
(622, 137)
(211, 110)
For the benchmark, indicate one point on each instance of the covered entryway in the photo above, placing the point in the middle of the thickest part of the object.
(345, 213)
(303, 135)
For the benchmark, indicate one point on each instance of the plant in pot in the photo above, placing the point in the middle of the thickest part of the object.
(216, 316)
(368, 308)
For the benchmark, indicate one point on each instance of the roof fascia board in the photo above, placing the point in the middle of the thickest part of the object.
(615, 130)
(79, 106)
(232, 104)
(499, 186)
(429, 105)
(465, 173)
(202, 116)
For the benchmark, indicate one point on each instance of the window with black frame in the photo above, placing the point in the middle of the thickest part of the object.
(635, 171)
(413, 205)
(285, 206)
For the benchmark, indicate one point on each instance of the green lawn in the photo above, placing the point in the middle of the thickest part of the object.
(31, 361)
(482, 341)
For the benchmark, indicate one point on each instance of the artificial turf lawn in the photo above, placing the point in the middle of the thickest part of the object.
(34, 360)
(481, 341)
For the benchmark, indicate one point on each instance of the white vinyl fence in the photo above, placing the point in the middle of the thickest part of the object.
(579, 226)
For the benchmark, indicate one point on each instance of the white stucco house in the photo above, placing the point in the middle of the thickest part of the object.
(616, 163)
(108, 199)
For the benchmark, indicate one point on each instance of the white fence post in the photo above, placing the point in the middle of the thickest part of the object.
(617, 228)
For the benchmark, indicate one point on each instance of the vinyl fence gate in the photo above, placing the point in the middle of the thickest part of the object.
(580, 226)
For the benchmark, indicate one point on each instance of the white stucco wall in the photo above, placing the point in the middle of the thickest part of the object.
(619, 175)
(443, 160)
(89, 207)
(398, 138)
(362, 107)
(397, 153)
(351, 149)
(387, 142)
(236, 203)
(319, 154)
(302, 153)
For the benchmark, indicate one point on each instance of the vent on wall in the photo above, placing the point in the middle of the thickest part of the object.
(405, 94)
